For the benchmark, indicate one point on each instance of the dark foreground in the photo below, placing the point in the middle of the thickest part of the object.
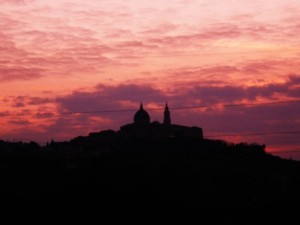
(117, 179)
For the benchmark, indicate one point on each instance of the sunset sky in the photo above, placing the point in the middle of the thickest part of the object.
(58, 57)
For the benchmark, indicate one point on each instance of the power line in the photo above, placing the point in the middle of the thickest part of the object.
(184, 107)
(255, 134)
(288, 151)
(237, 105)
(157, 109)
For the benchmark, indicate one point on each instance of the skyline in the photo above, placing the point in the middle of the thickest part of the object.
(63, 56)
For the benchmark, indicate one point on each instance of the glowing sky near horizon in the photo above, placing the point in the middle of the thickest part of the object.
(63, 56)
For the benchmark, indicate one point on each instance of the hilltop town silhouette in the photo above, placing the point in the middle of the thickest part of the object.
(150, 168)
(142, 127)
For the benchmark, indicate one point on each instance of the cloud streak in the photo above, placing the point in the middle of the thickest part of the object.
(19, 73)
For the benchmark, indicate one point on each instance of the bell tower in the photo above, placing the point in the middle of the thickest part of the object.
(167, 117)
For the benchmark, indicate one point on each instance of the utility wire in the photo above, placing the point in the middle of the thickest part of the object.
(184, 107)
(187, 107)
(154, 109)
(254, 134)
(288, 151)
(238, 105)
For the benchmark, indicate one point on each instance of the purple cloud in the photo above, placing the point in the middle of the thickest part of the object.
(67, 124)
(110, 97)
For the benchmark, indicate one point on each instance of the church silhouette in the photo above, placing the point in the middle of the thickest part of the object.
(143, 127)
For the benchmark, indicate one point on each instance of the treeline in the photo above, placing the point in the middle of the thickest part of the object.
(111, 173)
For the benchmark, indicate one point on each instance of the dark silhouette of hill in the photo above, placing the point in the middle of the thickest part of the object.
(108, 174)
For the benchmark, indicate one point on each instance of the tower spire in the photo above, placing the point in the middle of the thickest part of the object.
(167, 117)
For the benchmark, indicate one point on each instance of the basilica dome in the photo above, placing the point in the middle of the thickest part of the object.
(141, 117)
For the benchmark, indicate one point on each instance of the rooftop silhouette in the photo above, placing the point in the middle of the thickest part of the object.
(143, 127)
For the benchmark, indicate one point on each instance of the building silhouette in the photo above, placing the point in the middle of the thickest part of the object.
(141, 117)
(167, 116)
(143, 127)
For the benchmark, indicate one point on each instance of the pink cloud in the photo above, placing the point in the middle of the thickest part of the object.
(161, 29)
(74, 48)
(82, 44)
(18, 104)
(23, 101)
(45, 115)
(14, 1)
(19, 73)
(4, 113)
(218, 31)
(135, 44)
(39, 100)
(20, 122)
